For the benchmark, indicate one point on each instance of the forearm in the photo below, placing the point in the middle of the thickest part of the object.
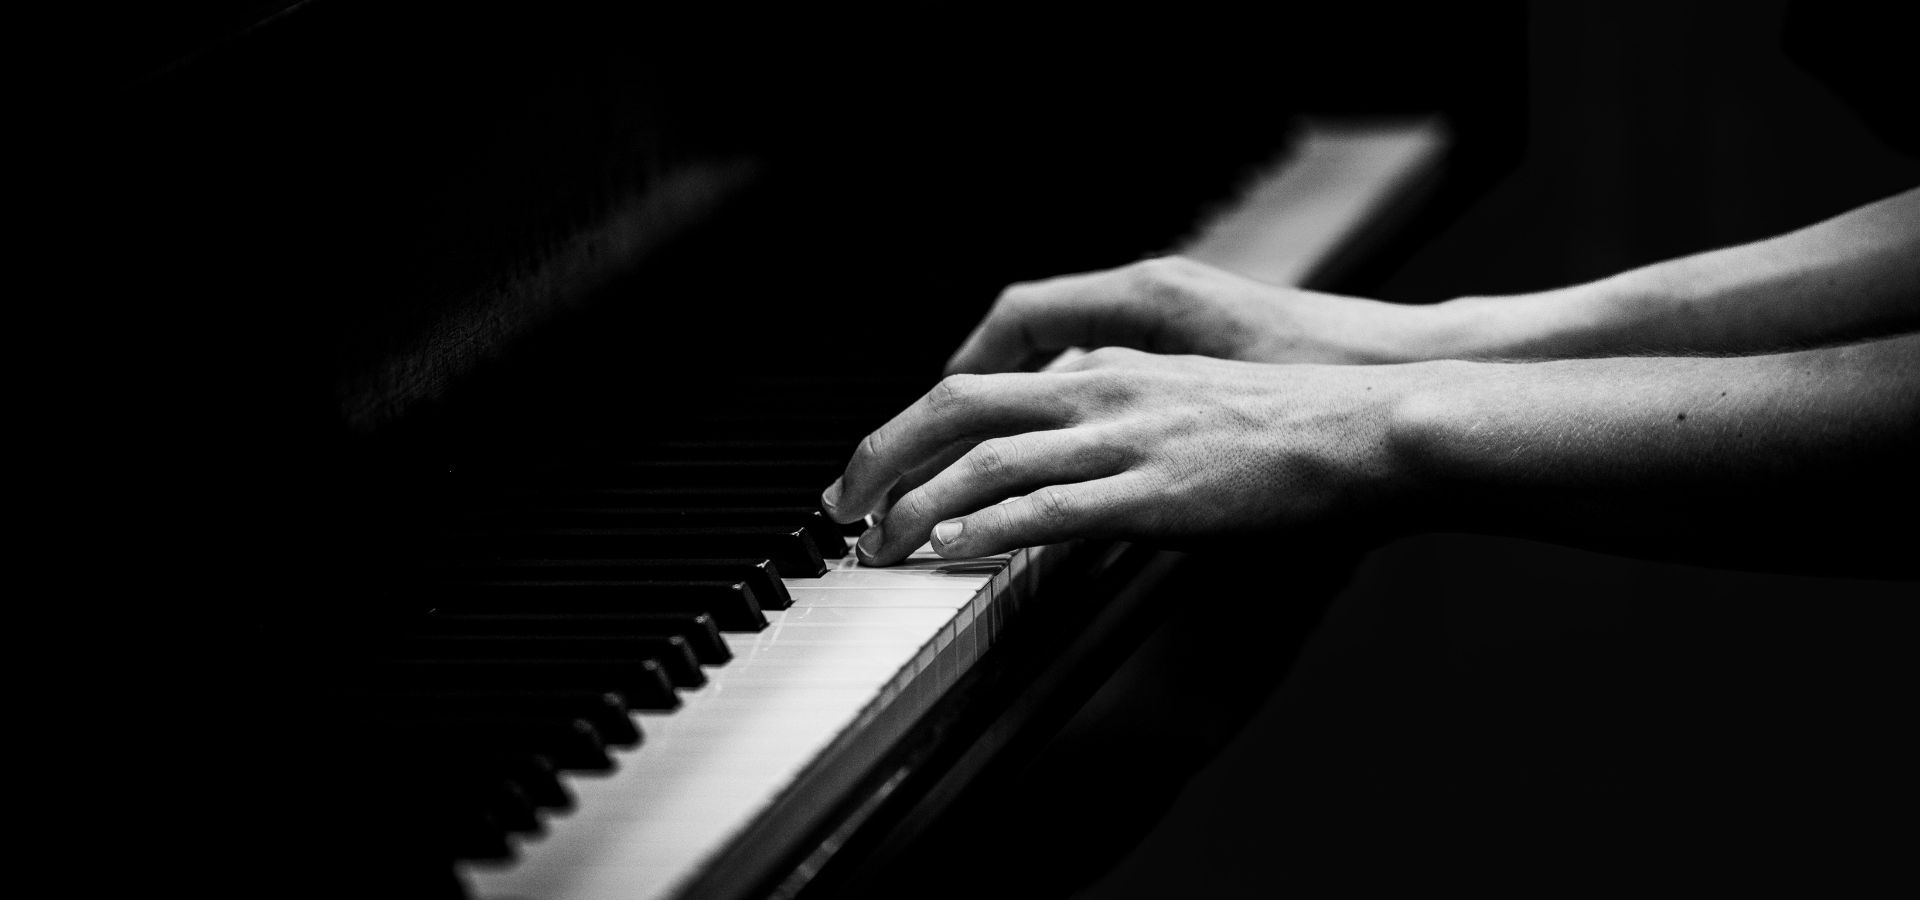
(1783, 461)
(1854, 276)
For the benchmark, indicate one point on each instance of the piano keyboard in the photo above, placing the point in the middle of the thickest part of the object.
(856, 660)
(632, 677)
(599, 597)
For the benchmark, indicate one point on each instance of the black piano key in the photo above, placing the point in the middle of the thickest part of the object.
(670, 651)
(732, 605)
(432, 818)
(433, 810)
(697, 629)
(461, 830)
(825, 533)
(410, 872)
(510, 806)
(791, 549)
(535, 773)
(573, 744)
(761, 577)
(607, 710)
(642, 682)
(498, 797)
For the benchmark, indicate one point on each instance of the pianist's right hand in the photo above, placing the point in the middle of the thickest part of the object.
(1121, 443)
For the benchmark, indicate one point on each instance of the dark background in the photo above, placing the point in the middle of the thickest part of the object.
(245, 234)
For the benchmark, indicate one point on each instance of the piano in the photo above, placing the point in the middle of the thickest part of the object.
(482, 367)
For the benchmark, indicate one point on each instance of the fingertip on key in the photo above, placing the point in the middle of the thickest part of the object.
(869, 544)
(830, 502)
(945, 533)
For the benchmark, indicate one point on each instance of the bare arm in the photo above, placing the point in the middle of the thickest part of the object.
(1800, 461)
(1853, 276)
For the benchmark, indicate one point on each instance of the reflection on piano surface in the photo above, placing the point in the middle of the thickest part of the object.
(519, 348)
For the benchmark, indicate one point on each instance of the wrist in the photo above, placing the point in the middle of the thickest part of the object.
(1462, 328)
(1557, 324)
(1429, 435)
(1375, 332)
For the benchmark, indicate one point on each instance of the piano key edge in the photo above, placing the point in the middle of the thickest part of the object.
(874, 773)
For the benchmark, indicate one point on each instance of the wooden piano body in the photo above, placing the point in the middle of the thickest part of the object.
(369, 259)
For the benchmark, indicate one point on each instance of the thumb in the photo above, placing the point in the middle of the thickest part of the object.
(1047, 516)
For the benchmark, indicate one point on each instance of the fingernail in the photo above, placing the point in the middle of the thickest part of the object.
(947, 532)
(869, 544)
(830, 500)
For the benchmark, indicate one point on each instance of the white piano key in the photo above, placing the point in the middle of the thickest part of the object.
(812, 616)
(903, 579)
(809, 654)
(943, 598)
(797, 674)
(860, 648)
(817, 659)
(839, 634)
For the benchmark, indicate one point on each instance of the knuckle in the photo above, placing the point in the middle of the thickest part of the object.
(1053, 506)
(1113, 447)
(1142, 279)
(1107, 389)
(1017, 294)
(1111, 356)
(913, 507)
(1157, 270)
(870, 448)
(1020, 302)
(992, 460)
(988, 523)
(1078, 363)
(954, 392)
(1162, 282)
(1162, 272)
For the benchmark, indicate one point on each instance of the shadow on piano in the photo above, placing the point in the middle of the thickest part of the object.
(414, 310)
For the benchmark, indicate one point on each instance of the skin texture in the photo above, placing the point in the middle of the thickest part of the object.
(1223, 407)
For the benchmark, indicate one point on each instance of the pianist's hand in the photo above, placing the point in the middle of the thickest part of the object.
(1698, 456)
(1125, 444)
(1177, 305)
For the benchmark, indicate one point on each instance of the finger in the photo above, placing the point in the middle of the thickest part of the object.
(1104, 507)
(1066, 361)
(990, 472)
(1111, 358)
(925, 471)
(1031, 323)
(961, 407)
